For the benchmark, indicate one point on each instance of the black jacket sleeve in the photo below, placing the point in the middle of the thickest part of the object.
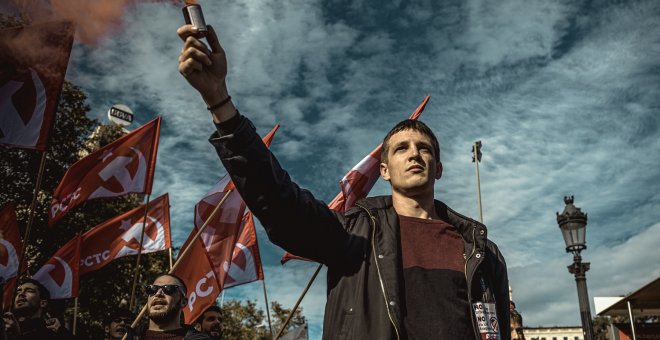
(292, 217)
(501, 290)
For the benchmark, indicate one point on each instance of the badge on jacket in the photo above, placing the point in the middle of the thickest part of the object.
(486, 316)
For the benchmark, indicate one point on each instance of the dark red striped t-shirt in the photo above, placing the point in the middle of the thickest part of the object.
(436, 303)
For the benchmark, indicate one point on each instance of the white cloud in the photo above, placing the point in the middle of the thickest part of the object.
(546, 293)
(513, 31)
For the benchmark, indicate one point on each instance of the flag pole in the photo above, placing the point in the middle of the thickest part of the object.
(183, 254)
(295, 307)
(33, 207)
(170, 254)
(139, 254)
(75, 315)
(270, 325)
(476, 158)
(263, 282)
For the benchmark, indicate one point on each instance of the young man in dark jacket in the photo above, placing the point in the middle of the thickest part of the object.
(29, 319)
(403, 266)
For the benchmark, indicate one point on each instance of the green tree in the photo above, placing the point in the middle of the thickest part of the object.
(600, 327)
(243, 320)
(601, 324)
(280, 314)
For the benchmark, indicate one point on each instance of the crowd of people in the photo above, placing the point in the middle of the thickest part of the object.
(28, 318)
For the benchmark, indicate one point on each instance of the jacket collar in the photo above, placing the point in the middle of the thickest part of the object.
(464, 224)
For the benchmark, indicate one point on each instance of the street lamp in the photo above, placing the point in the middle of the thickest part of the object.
(573, 224)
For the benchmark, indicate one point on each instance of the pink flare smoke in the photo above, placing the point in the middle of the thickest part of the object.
(93, 18)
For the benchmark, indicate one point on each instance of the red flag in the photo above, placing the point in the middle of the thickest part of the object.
(10, 250)
(120, 236)
(357, 183)
(8, 294)
(10, 243)
(203, 268)
(245, 264)
(60, 275)
(197, 273)
(33, 61)
(219, 237)
(123, 166)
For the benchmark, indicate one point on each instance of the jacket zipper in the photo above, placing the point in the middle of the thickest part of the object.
(474, 248)
(380, 278)
(467, 281)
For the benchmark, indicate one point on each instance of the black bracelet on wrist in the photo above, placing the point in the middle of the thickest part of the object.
(220, 104)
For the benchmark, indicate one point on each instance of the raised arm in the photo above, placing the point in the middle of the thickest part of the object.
(206, 70)
(292, 217)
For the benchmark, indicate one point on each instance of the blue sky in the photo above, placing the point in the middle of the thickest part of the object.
(564, 95)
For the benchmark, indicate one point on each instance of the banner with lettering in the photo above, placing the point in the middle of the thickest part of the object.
(121, 167)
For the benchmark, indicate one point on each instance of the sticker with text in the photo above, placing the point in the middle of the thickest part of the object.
(486, 316)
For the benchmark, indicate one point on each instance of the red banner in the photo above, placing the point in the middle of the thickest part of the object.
(120, 236)
(60, 275)
(196, 271)
(123, 166)
(245, 264)
(33, 61)
(10, 251)
(204, 268)
(357, 183)
(219, 237)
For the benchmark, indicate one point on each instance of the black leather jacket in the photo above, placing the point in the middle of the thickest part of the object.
(360, 247)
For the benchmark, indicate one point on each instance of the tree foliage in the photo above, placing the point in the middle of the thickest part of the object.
(246, 321)
(600, 324)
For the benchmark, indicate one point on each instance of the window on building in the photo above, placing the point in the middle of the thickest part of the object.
(565, 338)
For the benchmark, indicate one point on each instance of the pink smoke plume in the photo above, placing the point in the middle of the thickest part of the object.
(93, 18)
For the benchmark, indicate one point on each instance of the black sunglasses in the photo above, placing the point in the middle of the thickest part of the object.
(167, 289)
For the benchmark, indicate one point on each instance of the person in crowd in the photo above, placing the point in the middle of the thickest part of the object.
(165, 302)
(210, 322)
(116, 324)
(516, 323)
(30, 319)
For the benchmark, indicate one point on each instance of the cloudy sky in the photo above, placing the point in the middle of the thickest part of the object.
(564, 95)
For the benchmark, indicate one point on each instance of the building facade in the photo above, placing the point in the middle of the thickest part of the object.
(553, 333)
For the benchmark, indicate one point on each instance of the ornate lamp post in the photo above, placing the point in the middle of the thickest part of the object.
(573, 223)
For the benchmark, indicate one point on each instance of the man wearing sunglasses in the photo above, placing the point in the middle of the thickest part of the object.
(165, 302)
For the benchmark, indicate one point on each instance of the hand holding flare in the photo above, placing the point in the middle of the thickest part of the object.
(204, 69)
